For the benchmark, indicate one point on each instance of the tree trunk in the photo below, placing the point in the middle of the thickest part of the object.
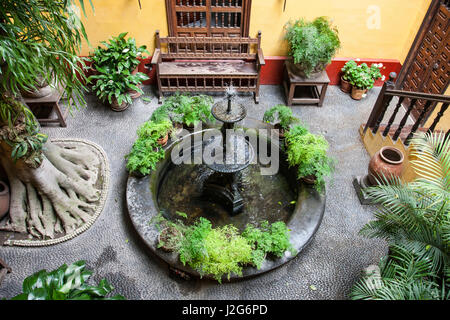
(59, 195)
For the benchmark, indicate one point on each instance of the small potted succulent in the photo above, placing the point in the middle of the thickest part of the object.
(308, 153)
(361, 80)
(311, 45)
(346, 86)
(284, 116)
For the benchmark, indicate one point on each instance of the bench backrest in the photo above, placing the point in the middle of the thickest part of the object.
(208, 47)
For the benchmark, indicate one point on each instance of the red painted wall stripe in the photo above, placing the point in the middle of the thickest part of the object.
(272, 71)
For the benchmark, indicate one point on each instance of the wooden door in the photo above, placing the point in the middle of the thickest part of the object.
(212, 18)
(427, 67)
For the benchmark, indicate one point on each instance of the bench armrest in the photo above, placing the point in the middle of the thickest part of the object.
(261, 61)
(156, 56)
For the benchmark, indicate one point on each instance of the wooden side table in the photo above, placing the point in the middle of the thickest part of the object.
(300, 90)
(42, 108)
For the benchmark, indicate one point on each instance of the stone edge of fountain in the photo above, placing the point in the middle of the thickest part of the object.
(142, 207)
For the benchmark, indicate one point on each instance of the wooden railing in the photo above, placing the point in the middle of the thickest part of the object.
(382, 105)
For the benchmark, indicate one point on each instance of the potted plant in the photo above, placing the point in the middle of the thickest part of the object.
(117, 55)
(311, 45)
(158, 131)
(284, 116)
(375, 71)
(361, 80)
(346, 86)
(144, 156)
(112, 87)
(189, 110)
(308, 153)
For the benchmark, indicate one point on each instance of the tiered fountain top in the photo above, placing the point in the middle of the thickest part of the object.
(242, 154)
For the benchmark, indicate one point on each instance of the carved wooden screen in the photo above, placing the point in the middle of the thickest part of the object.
(427, 67)
(212, 18)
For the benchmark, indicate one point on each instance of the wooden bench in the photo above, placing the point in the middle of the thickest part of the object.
(208, 64)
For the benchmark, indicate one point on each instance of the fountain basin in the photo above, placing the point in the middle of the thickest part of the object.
(147, 196)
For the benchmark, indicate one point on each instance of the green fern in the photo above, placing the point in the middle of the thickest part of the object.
(283, 114)
(415, 219)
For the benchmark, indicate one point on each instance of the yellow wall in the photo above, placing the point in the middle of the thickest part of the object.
(399, 22)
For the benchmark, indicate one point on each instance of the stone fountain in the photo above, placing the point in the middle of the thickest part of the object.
(237, 153)
(229, 190)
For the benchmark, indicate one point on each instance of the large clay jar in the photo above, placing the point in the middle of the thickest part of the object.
(388, 161)
(4, 199)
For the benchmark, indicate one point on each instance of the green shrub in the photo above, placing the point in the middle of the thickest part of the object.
(282, 113)
(312, 44)
(116, 84)
(347, 69)
(308, 152)
(415, 220)
(187, 109)
(146, 152)
(65, 283)
(222, 251)
(118, 54)
(268, 238)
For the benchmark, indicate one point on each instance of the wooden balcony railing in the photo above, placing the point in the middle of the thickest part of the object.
(382, 106)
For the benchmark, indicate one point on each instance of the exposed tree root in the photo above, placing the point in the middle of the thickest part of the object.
(59, 195)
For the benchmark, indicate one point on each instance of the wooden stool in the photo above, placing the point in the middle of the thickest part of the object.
(42, 107)
(300, 90)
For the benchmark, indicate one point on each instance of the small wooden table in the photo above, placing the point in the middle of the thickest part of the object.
(42, 107)
(300, 90)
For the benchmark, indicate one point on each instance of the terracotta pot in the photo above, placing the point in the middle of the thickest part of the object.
(4, 199)
(163, 141)
(311, 179)
(118, 108)
(346, 86)
(133, 93)
(357, 93)
(388, 161)
(299, 70)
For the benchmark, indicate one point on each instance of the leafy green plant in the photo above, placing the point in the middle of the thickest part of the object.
(415, 220)
(187, 109)
(155, 130)
(268, 238)
(375, 71)
(347, 69)
(118, 54)
(222, 251)
(65, 283)
(283, 114)
(308, 152)
(115, 85)
(312, 44)
(361, 77)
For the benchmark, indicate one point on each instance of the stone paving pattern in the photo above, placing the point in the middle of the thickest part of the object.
(332, 262)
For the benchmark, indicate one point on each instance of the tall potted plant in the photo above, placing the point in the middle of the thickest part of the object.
(311, 45)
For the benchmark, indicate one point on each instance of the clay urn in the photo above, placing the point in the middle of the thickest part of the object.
(388, 161)
(346, 86)
(4, 199)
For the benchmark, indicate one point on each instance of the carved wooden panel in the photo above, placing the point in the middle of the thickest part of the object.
(429, 70)
(212, 18)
